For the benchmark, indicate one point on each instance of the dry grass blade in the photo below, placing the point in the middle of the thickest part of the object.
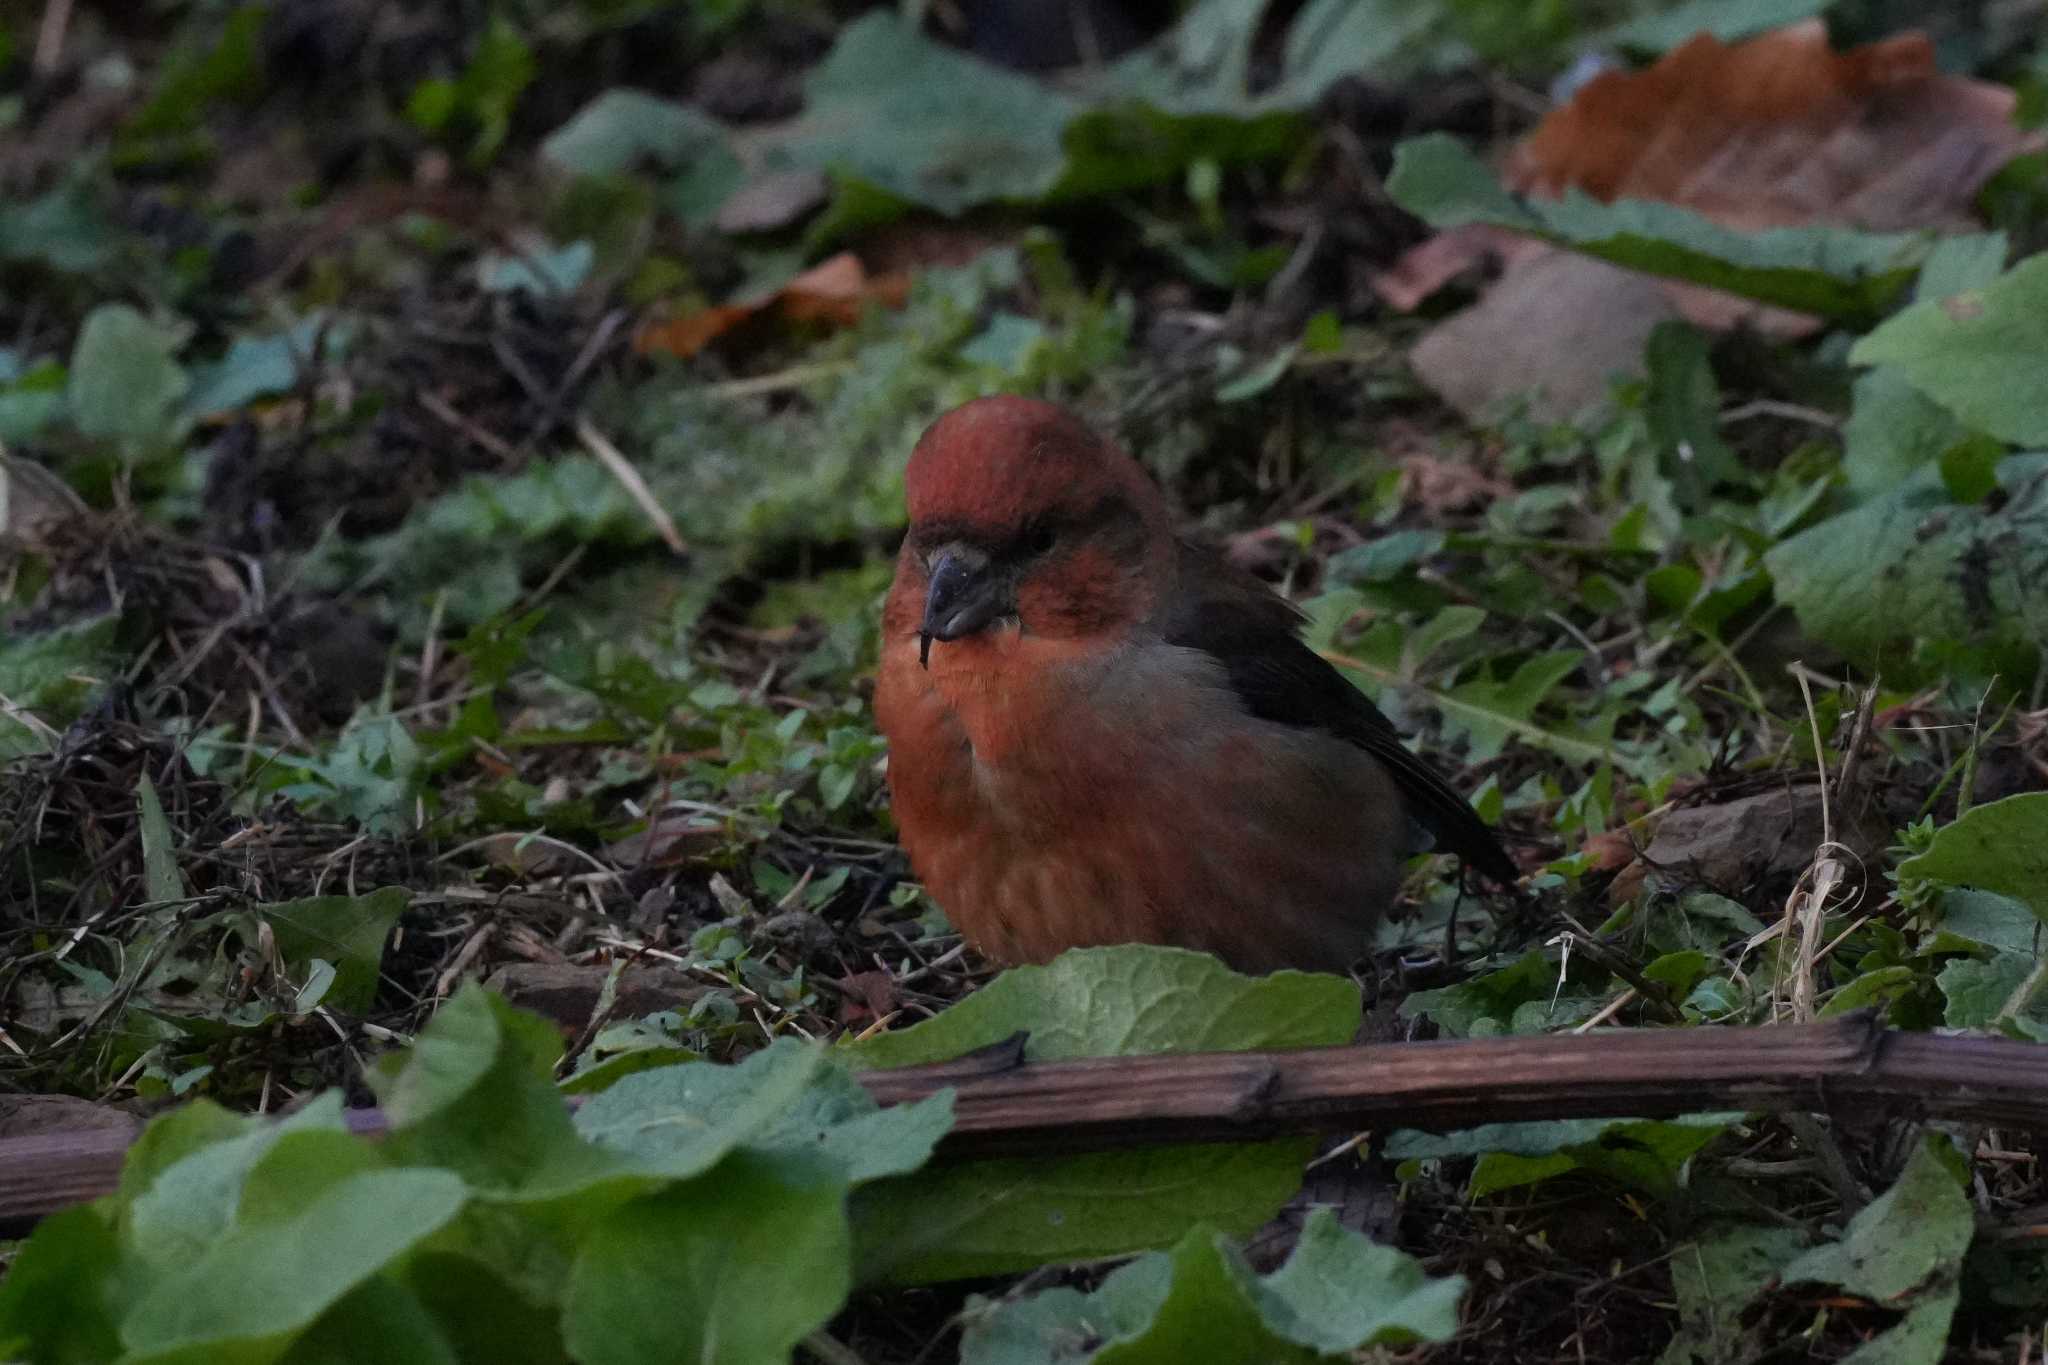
(629, 479)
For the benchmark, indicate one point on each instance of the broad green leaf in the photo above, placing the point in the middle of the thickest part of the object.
(184, 1188)
(1976, 991)
(1963, 262)
(986, 1217)
(2001, 847)
(1881, 986)
(1836, 272)
(57, 1300)
(126, 382)
(161, 880)
(1128, 1001)
(67, 229)
(1716, 1278)
(1892, 431)
(259, 366)
(621, 129)
(926, 123)
(1728, 20)
(836, 1120)
(992, 1217)
(1484, 1004)
(1987, 920)
(474, 1095)
(1903, 1251)
(1913, 565)
(734, 1268)
(348, 931)
(248, 1294)
(381, 1320)
(680, 1121)
(513, 1331)
(1338, 1293)
(1645, 1154)
(1976, 352)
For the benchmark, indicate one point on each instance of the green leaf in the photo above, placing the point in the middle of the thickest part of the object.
(1126, 1002)
(927, 124)
(348, 931)
(1879, 987)
(1977, 991)
(474, 1095)
(1337, 1293)
(986, 1217)
(835, 1120)
(259, 366)
(125, 379)
(1963, 262)
(161, 880)
(1490, 999)
(244, 1297)
(183, 1184)
(733, 1269)
(1682, 409)
(1836, 272)
(1728, 20)
(1913, 565)
(1893, 430)
(2001, 847)
(1904, 1250)
(1644, 1154)
(680, 1121)
(57, 1299)
(67, 229)
(1976, 352)
(998, 1216)
(380, 1320)
(47, 678)
(620, 130)
(1715, 1279)
(193, 75)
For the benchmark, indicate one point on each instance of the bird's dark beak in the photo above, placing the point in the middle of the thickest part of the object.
(963, 598)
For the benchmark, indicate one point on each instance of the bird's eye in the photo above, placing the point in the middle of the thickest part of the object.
(1042, 539)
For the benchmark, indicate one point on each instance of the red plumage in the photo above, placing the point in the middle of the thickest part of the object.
(1101, 734)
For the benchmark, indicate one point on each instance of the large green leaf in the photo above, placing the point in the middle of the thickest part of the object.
(2001, 847)
(244, 1297)
(1201, 1305)
(1914, 565)
(1979, 353)
(57, 1299)
(1904, 1251)
(347, 931)
(1836, 272)
(732, 1269)
(985, 1217)
(1128, 1001)
(126, 382)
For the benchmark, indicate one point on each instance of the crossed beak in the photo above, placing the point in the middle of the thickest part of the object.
(962, 598)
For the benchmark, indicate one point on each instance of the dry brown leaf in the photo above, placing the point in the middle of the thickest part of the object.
(833, 291)
(1777, 131)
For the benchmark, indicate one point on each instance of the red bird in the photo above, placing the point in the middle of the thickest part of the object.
(1119, 736)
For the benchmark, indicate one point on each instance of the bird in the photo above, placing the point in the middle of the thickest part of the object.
(1100, 732)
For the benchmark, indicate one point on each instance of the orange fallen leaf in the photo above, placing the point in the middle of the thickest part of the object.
(1777, 131)
(833, 291)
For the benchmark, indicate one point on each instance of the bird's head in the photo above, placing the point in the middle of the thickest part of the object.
(1020, 513)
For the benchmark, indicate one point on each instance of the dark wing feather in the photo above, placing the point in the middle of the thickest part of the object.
(1252, 632)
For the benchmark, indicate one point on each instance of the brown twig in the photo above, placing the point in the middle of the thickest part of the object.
(1847, 1067)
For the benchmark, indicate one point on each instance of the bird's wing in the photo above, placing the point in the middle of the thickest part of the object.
(1253, 632)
